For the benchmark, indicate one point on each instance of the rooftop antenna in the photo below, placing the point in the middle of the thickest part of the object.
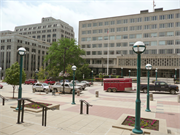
(153, 5)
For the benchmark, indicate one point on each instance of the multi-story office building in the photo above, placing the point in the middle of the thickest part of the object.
(32, 60)
(36, 39)
(114, 37)
(49, 30)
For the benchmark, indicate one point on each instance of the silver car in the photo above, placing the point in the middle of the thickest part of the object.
(77, 83)
(68, 87)
(41, 87)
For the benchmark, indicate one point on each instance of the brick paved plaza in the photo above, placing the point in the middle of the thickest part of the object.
(106, 110)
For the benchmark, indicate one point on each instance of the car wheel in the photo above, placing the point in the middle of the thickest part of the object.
(109, 90)
(114, 89)
(145, 90)
(173, 92)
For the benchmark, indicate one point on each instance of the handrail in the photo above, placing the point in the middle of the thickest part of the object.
(3, 99)
(87, 106)
(44, 110)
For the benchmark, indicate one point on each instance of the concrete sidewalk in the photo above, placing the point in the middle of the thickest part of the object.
(106, 110)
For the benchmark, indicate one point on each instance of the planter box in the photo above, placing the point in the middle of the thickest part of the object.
(53, 106)
(162, 125)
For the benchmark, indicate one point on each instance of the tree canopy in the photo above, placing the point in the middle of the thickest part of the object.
(12, 75)
(63, 52)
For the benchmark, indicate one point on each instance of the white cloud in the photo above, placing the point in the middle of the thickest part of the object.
(16, 13)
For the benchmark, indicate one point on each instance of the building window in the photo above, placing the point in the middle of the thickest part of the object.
(169, 51)
(139, 27)
(94, 24)
(89, 32)
(153, 43)
(162, 25)
(139, 19)
(170, 42)
(40, 27)
(146, 35)
(162, 42)
(83, 39)
(147, 43)
(118, 37)
(118, 21)
(177, 24)
(89, 39)
(83, 46)
(105, 45)
(106, 23)
(54, 35)
(125, 36)
(162, 34)
(88, 53)
(112, 22)
(111, 52)
(161, 51)
(171, 33)
(124, 44)
(100, 31)
(8, 47)
(99, 52)
(177, 51)
(170, 16)
(94, 45)
(94, 38)
(38, 37)
(48, 35)
(89, 24)
(83, 25)
(118, 29)
(105, 30)
(132, 20)
(125, 28)
(112, 30)
(112, 37)
(177, 42)
(138, 35)
(106, 38)
(170, 25)
(83, 32)
(132, 28)
(111, 44)
(153, 34)
(146, 19)
(125, 21)
(162, 17)
(132, 36)
(177, 33)
(118, 52)
(94, 31)
(118, 44)
(100, 23)
(131, 43)
(124, 52)
(153, 18)
(93, 52)
(154, 26)
(99, 45)
(105, 52)
(88, 46)
(146, 27)
(99, 38)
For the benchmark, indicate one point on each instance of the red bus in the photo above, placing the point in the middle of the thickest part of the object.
(117, 84)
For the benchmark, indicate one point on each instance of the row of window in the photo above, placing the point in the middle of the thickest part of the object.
(33, 44)
(125, 44)
(37, 27)
(34, 32)
(131, 28)
(131, 36)
(132, 20)
(125, 52)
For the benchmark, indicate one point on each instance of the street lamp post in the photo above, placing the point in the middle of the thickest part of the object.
(22, 52)
(148, 68)
(129, 73)
(139, 47)
(36, 74)
(175, 73)
(92, 77)
(0, 72)
(121, 71)
(156, 73)
(102, 72)
(74, 69)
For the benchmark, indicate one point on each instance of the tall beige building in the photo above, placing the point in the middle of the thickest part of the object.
(114, 37)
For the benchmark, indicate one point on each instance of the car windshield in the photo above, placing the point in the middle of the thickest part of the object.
(45, 84)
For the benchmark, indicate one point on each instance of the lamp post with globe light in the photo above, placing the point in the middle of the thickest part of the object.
(139, 47)
(148, 68)
(121, 71)
(156, 73)
(36, 73)
(175, 73)
(22, 52)
(74, 69)
(129, 73)
(92, 77)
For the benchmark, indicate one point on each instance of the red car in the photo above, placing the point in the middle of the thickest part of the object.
(31, 81)
(48, 81)
(1, 86)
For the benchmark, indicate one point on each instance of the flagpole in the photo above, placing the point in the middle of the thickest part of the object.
(108, 55)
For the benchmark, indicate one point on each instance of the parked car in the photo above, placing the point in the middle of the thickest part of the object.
(87, 83)
(68, 87)
(30, 81)
(41, 87)
(160, 86)
(77, 83)
(66, 81)
(1, 86)
(48, 81)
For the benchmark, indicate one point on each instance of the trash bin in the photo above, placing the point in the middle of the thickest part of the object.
(53, 92)
(34, 90)
(78, 92)
(47, 91)
(178, 96)
(97, 93)
(151, 96)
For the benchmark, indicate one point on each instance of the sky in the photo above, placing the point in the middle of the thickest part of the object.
(23, 12)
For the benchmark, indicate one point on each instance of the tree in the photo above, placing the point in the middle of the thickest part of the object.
(12, 75)
(61, 53)
(41, 73)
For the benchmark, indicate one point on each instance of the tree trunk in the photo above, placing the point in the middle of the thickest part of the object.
(13, 90)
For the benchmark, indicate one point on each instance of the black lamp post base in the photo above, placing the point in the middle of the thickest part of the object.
(147, 110)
